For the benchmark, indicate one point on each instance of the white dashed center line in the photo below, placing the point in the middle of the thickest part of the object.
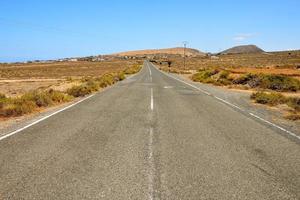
(151, 171)
(151, 101)
(151, 165)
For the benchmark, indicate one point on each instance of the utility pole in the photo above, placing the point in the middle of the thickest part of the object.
(184, 50)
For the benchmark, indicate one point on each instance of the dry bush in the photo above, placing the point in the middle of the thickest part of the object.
(274, 99)
(214, 76)
(279, 83)
(63, 70)
(293, 116)
(79, 91)
(32, 101)
(268, 98)
(132, 70)
(17, 108)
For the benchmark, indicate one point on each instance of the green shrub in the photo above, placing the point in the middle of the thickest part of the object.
(2, 96)
(3, 100)
(274, 99)
(132, 70)
(59, 97)
(120, 76)
(213, 76)
(45, 98)
(268, 98)
(41, 99)
(79, 91)
(224, 81)
(31, 101)
(224, 75)
(279, 83)
(204, 76)
(17, 107)
(223, 78)
(294, 103)
(269, 81)
(245, 78)
(106, 80)
(93, 85)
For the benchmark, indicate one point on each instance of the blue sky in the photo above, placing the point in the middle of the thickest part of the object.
(35, 29)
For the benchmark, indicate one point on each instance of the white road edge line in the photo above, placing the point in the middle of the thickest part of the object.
(274, 125)
(44, 118)
(52, 114)
(229, 103)
(232, 105)
(152, 103)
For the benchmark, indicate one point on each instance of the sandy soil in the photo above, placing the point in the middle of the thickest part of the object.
(17, 79)
(170, 51)
(12, 88)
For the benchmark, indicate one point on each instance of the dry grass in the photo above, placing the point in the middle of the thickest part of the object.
(17, 79)
(62, 70)
(169, 51)
(271, 72)
(89, 82)
(30, 102)
(279, 71)
(274, 99)
(281, 63)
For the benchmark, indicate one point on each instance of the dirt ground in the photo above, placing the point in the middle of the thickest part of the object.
(284, 63)
(17, 79)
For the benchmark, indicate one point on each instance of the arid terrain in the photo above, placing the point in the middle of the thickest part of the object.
(278, 62)
(35, 87)
(16, 79)
(169, 51)
(169, 123)
(274, 78)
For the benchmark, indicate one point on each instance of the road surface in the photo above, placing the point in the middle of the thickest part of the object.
(150, 137)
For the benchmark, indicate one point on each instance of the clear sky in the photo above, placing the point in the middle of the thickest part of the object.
(46, 29)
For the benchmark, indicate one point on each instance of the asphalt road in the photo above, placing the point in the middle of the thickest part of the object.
(150, 137)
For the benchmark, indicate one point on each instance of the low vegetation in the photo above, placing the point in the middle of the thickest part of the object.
(271, 99)
(280, 83)
(30, 102)
(275, 73)
(278, 62)
(63, 70)
(132, 70)
(274, 99)
(38, 99)
(273, 83)
(213, 76)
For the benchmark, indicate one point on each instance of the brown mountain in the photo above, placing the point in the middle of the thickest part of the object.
(169, 51)
(243, 49)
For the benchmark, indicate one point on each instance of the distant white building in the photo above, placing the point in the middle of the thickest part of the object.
(98, 59)
(214, 57)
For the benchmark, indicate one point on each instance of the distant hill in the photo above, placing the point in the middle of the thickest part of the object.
(243, 49)
(170, 51)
